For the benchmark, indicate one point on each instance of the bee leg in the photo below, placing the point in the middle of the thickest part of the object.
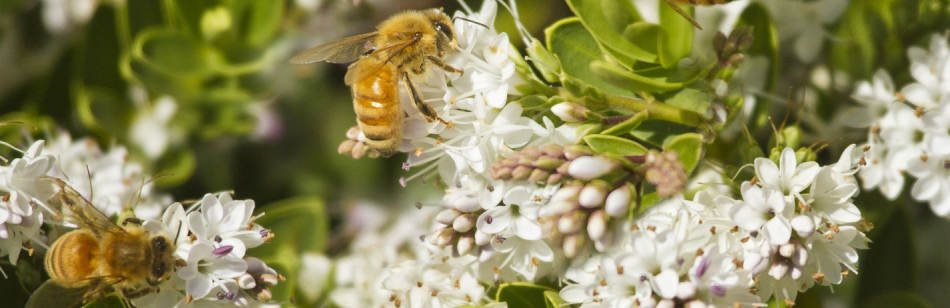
(423, 107)
(131, 220)
(130, 293)
(444, 66)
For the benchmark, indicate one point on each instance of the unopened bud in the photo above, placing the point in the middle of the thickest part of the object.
(445, 237)
(587, 168)
(779, 269)
(572, 152)
(520, 173)
(265, 295)
(803, 225)
(448, 216)
(269, 280)
(618, 201)
(464, 222)
(346, 147)
(482, 238)
(686, 290)
(572, 245)
(786, 250)
(246, 281)
(548, 163)
(593, 194)
(596, 225)
(570, 112)
(571, 222)
(359, 150)
(465, 244)
(538, 175)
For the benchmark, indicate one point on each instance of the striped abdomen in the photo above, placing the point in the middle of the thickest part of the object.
(378, 112)
(73, 258)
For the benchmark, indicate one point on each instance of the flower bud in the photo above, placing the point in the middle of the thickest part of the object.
(538, 175)
(555, 208)
(596, 225)
(448, 216)
(685, 290)
(359, 150)
(618, 201)
(779, 269)
(552, 150)
(554, 179)
(572, 152)
(803, 225)
(695, 304)
(801, 255)
(587, 168)
(464, 222)
(269, 280)
(547, 162)
(572, 245)
(265, 295)
(786, 250)
(520, 173)
(444, 237)
(346, 147)
(666, 303)
(246, 281)
(795, 272)
(570, 112)
(482, 238)
(465, 244)
(593, 194)
(571, 223)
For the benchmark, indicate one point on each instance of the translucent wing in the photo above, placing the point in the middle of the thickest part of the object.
(81, 211)
(341, 51)
(51, 294)
(368, 65)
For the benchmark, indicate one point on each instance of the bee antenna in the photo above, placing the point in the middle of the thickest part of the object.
(89, 176)
(469, 20)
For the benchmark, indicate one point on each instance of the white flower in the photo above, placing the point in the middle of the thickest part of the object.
(876, 97)
(518, 217)
(931, 69)
(18, 224)
(208, 267)
(150, 129)
(832, 249)
(222, 218)
(937, 127)
(882, 170)
(788, 177)
(933, 182)
(60, 16)
(763, 207)
(831, 198)
(22, 173)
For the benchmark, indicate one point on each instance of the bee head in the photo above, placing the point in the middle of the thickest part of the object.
(445, 33)
(163, 260)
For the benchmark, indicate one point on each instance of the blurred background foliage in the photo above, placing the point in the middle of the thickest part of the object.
(243, 119)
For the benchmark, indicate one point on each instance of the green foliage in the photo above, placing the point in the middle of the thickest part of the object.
(528, 295)
(890, 266)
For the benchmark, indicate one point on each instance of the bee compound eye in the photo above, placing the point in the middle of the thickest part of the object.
(158, 243)
(441, 27)
(159, 269)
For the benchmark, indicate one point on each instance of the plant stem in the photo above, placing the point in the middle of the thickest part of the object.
(656, 111)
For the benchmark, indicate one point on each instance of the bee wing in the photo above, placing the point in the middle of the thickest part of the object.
(368, 65)
(341, 51)
(82, 212)
(52, 294)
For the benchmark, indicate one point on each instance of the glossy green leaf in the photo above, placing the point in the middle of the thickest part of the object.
(655, 132)
(643, 34)
(576, 49)
(691, 99)
(676, 39)
(627, 125)
(522, 294)
(614, 145)
(896, 299)
(101, 110)
(544, 61)
(591, 13)
(264, 21)
(170, 53)
(689, 147)
(623, 78)
(891, 263)
(553, 300)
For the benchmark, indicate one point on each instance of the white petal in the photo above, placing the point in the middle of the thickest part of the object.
(199, 286)
(666, 283)
(500, 220)
(527, 229)
(779, 230)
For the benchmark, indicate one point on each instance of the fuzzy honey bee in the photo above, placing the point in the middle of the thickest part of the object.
(403, 48)
(100, 255)
(675, 5)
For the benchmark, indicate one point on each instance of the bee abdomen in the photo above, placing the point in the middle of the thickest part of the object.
(378, 112)
(72, 258)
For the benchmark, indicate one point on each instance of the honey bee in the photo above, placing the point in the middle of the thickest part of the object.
(675, 5)
(100, 254)
(403, 48)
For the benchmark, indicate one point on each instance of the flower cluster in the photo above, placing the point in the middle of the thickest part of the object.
(793, 227)
(211, 239)
(909, 129)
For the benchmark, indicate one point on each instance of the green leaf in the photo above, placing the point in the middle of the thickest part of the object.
(643, 34)
(627, 125)
(676, 39)
(765, 42)
(692, 99)
(614, 145)
(656, 132)
(190, 12)
(896, 299)
(891, 263)
(634, 82)
(102, 111)
(552, 299)
(522, 294)
(591, 14)
(171, 53)
(689, 147)
(263, 22)
(576, 49)
(545, 62)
